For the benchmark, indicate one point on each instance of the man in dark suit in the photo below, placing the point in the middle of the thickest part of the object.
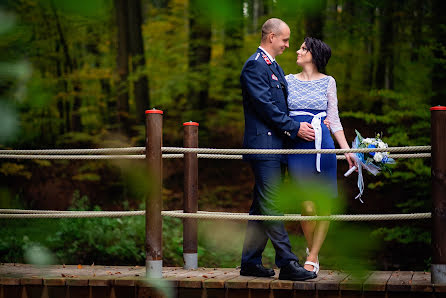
(267, 126)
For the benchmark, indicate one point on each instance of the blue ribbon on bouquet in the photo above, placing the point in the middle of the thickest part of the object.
(361, 161)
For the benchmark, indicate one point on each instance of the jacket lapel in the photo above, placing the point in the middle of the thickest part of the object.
(276, 72)
(282, 76)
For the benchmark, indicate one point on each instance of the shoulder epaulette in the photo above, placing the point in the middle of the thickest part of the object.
(266, 59)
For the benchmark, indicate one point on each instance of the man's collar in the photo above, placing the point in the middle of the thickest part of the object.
(267, 54)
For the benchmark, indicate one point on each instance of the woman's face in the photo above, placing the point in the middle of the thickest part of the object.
(303, 55)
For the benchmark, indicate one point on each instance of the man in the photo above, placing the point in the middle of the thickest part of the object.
(267, 126)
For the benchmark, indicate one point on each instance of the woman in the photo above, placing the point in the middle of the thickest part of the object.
(312, 98)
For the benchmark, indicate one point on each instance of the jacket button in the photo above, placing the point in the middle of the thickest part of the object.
(269, 133)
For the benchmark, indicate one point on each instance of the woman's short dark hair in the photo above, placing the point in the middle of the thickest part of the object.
(320, 51)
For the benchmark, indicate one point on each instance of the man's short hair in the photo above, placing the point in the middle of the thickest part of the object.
(271, 26)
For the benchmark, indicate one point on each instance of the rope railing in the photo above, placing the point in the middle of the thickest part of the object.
(294, 217)
(204, 153)
(71, 157)
(77, 151)
(141, 150)
(20, 214)
(168, 156)
(295, 151)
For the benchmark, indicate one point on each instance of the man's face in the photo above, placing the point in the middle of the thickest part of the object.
(281, 40)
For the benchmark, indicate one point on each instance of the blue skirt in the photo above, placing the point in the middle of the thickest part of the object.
(302, 167)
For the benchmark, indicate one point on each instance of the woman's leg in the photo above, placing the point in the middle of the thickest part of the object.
(308, 209)
(319, 234)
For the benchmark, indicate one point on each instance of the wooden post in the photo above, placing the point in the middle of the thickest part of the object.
(190, 200)
(154, 202)
(438, 174)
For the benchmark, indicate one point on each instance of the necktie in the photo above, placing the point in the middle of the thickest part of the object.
(277, 68)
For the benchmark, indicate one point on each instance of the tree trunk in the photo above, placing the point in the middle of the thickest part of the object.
(69, 64)
(233, 43)
(314, 17)
(141, 85)
(369, 45)
(199, 55)
(255, 15)
(384, 72)
(108, 107)
(439, 69)
(348, 13)
(61, 102)
(76, 123)
(122, 64)
(416, 28)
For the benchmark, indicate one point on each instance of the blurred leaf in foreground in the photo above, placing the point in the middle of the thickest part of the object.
(8, 122)
(39, 255)
(348, 243)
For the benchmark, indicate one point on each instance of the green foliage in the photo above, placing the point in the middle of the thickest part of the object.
(98, 240)
(403, 234)
(8, 200)
(101, 241)
(11, 249)
(87, 177)
(14, 169)
(88, 8)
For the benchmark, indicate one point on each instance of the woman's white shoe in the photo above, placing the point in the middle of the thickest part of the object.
(315, 265)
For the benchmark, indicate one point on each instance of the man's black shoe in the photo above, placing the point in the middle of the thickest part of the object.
(294, 271)
(256, 270)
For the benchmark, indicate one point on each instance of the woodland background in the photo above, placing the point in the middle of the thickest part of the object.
(80, 74)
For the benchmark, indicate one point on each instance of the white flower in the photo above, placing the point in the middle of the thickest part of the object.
(381, 144)
(378, 156)
(367, 141)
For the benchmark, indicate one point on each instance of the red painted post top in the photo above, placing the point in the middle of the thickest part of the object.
(191, 123)
(438, 108)
(154, 111)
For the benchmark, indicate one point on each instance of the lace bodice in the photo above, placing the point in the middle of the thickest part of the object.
(315, 95)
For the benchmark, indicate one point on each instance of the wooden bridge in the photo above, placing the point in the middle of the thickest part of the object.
(68, 281)
(63, 281)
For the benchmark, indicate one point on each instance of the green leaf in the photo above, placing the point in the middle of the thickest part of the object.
(360, 138)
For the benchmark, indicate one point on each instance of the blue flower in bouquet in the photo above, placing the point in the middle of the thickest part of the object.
(373, 162)
(371, 146)
(378, 159)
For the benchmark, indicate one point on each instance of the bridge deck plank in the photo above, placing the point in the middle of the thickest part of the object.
(421, 282)
(377, 281)
(400, 281)
(354, 282)
(214, 279)
(218, 282)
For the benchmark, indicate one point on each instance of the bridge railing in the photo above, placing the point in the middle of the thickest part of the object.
(191, 150)
(154, 153)
(438, 136)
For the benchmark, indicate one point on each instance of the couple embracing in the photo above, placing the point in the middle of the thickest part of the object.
(281, 110)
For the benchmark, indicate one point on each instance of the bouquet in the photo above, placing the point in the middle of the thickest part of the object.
(373, 162)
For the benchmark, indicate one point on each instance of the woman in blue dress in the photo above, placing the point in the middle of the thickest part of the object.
(312, 99)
